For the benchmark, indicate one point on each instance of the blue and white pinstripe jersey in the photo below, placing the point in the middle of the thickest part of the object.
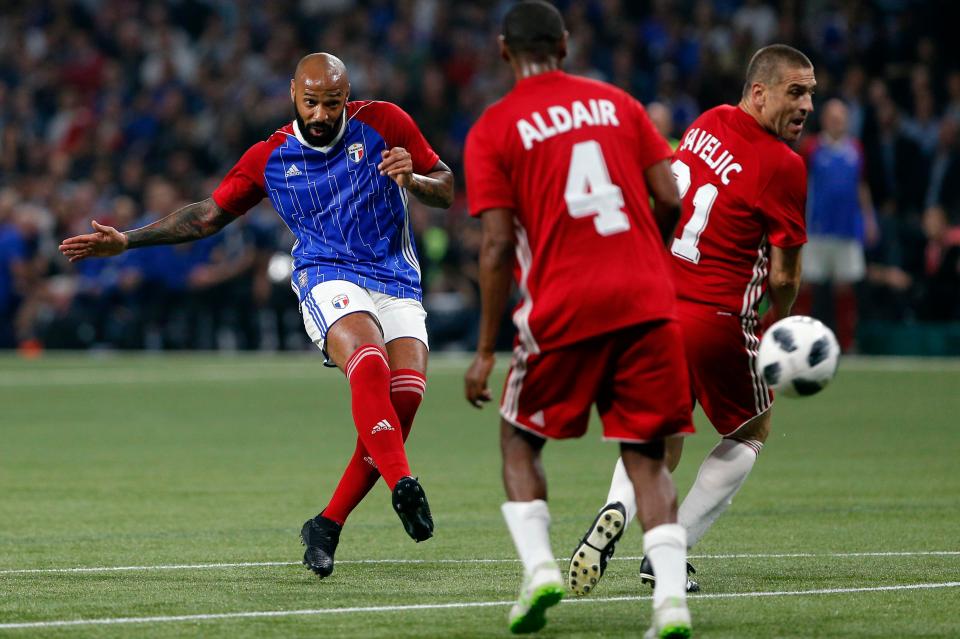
(350, 222)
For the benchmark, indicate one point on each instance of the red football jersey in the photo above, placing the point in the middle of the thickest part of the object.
(567, 155)
(743, 189)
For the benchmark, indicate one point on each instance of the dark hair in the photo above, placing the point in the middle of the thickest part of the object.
(533, 28)
(765, 65)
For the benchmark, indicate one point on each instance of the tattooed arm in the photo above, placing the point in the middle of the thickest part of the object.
(433, 189)
(192, 222)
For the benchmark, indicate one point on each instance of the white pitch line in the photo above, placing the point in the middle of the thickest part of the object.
(444, 606)
(895, 553)
(245, 564)
(261, 564)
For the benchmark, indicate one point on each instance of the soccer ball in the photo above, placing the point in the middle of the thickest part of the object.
(798, 356)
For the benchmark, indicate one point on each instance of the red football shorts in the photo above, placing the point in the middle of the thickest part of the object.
(722, 354)
(637, 377)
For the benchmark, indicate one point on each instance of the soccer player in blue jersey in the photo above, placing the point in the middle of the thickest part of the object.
(339, 175)
(840, 220)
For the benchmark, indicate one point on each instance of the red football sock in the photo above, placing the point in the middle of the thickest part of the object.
(361, 474)
(373, 413)
(406, 393)
(846, 314)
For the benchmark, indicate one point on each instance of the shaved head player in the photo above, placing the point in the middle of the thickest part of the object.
(339, 175)
(744, 196)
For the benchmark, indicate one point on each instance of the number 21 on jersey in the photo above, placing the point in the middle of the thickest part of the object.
(685, 246)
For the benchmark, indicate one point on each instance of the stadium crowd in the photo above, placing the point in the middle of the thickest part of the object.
(124, 110)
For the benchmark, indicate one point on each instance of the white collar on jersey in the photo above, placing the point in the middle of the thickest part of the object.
(322, 149)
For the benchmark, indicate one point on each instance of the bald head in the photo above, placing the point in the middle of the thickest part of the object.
(319, 90)
(661, 117)
(834, 119)
(321, 71)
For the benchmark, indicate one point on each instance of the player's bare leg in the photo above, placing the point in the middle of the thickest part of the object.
(664, 540)
(355, 345)
(408, 365)
(621, 488)
(528, 519)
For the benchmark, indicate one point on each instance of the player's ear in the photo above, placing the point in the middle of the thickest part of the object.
(562, 49)
(504, 49)
(293, 91)
(759, 94)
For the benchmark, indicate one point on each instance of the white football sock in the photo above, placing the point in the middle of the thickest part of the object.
(621, 489)
(529, 524)
(666, 548)
(720, 477)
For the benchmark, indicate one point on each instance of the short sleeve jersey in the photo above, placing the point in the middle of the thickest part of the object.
(350, 222)
(742, 190)
(835, 171)
(567, 155)
(12, 250)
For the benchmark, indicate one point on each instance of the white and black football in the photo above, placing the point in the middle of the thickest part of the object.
(798, 356)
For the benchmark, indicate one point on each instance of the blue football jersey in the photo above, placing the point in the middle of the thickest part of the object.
(833, 205)
(350, 222)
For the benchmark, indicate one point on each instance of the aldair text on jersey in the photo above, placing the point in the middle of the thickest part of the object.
(563, 119)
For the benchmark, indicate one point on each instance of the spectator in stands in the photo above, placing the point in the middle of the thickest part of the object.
(940, 294)
(894, 165)
(840, 217)
(117, 92)
(944, 172)
(12, 269)
(953, 95)
(923, 126)
(662, 119)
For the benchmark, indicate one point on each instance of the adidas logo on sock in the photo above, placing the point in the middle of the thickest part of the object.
(381, 426)
(292, 171)
(370, 461)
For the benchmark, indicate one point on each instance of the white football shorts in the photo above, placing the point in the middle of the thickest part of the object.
(833, 259)
(329, 301)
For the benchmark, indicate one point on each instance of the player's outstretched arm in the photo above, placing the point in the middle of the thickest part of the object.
(192, 222)
(666, 199)
(784, 279)
(496, 277)
(433, 189)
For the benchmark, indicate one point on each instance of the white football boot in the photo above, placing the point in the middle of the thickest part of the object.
(541, 589)
(671, 620)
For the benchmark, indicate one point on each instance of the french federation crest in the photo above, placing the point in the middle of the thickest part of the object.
(341, 301)
(355, 152)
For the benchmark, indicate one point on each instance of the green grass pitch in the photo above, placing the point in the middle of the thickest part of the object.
(172, 466)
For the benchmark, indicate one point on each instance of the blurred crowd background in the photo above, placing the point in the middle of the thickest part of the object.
(124, 110)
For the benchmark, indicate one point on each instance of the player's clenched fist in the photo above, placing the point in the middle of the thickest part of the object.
(397, 165)
(105, 242)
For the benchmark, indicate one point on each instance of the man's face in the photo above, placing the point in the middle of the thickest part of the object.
(788, 103)
(319, 109)
(834, 120)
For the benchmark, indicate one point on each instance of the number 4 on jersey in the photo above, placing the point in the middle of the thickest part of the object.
(590, 192)
(686, 245)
